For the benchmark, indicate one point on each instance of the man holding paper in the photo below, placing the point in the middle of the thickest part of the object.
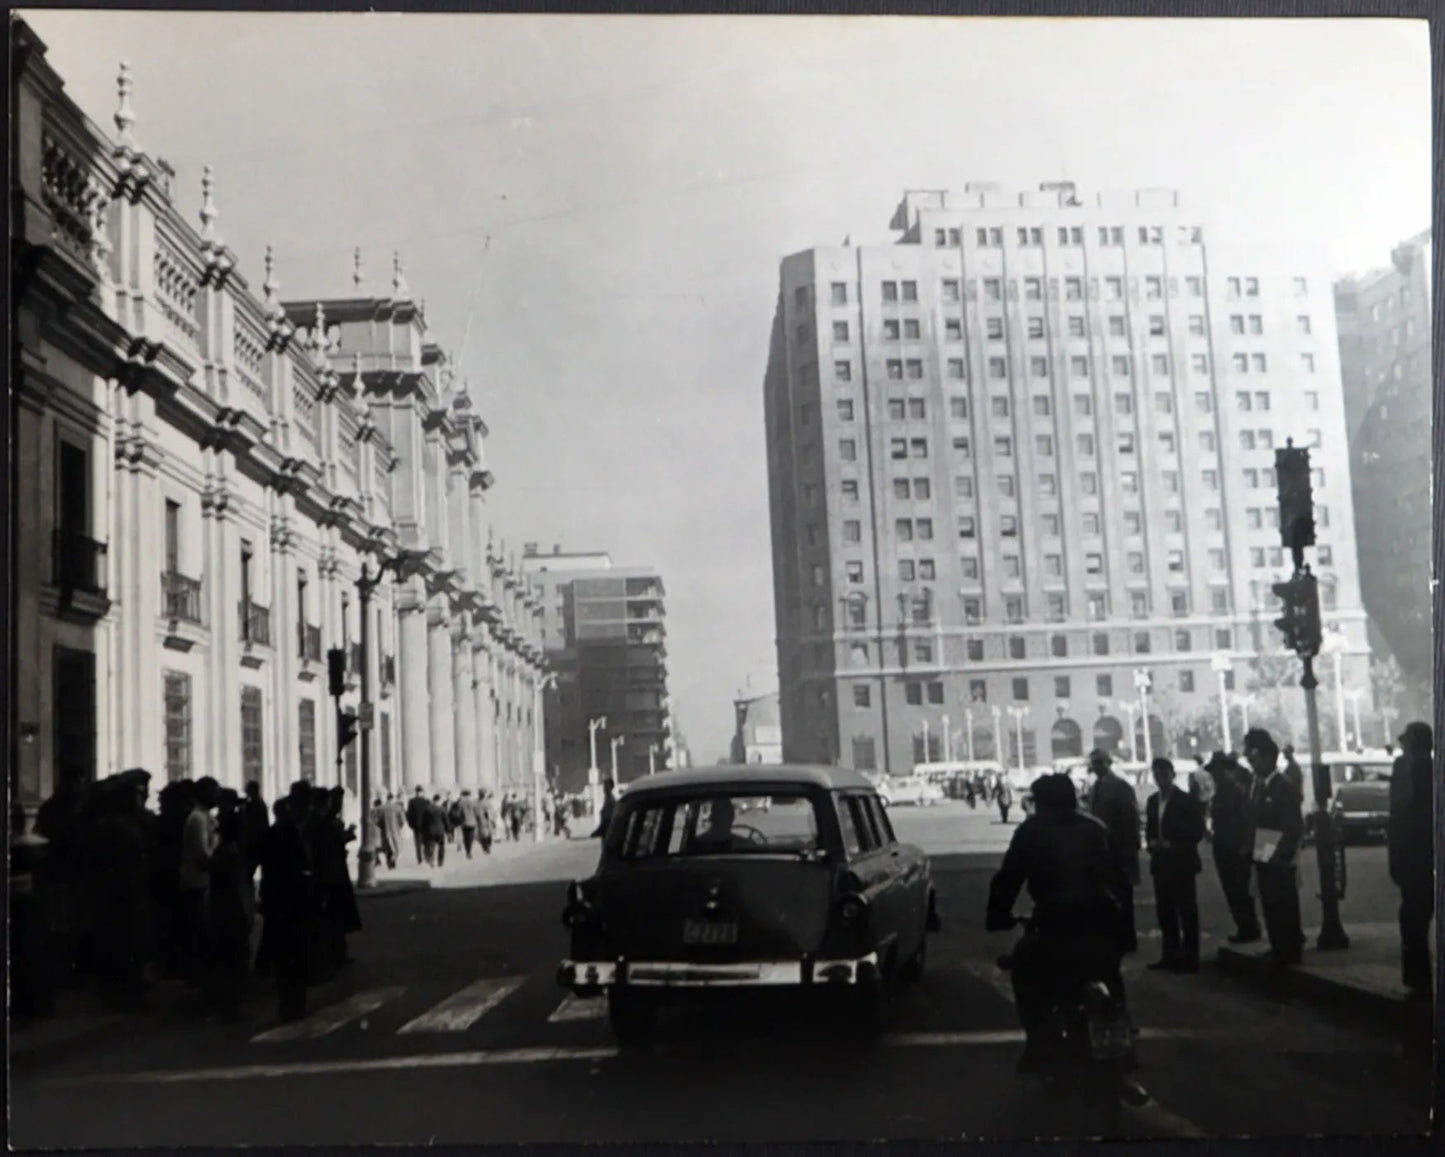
(1278, 827)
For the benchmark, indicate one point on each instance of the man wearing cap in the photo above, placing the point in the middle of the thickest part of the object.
(1233, 843)
(1278, 829)
(1412, 852)
(1174, 825)
(1113, 803)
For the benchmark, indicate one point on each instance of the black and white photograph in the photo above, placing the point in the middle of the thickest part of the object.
(719, 579)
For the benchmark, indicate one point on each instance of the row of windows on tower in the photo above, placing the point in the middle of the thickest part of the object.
(1079, 366)
(916, 691)
(905, 292)
(991, 237)
(911, 328)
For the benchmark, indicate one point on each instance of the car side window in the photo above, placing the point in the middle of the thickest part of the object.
(852, 840)
(881, 821)
(872, 840)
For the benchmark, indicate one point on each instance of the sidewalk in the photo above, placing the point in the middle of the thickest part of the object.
(1365, 976)
(510, 862)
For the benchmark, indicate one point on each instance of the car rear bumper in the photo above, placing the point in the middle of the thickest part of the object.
(591, 977)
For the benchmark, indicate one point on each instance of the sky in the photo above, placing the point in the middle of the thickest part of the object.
(599, 204)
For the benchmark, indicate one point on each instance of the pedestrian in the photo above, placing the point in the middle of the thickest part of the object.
(62, 820)
(117, 887)
(609, 805)
(393, 820)
(1003, 795)
(434, 828)
(454, 819)
(486, 825)
(468, 819)
(256, 820)
(416, 810)
(31, 988)
(1233, 843)
(1113, 803)
(198, 842)
(1278, 825)
(519, 817)
(287, 882)
(1412, 852)
(232, 913)
(1173, 827)
(1292, 771)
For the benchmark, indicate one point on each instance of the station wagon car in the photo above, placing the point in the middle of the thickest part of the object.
(729, 878)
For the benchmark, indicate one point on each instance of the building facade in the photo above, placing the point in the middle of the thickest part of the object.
(1026, 451)
(1384, 319)
(205, 472)
(757, 729)
(605, 634)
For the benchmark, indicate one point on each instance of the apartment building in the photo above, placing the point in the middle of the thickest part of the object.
(1025, 451)
(604, 632)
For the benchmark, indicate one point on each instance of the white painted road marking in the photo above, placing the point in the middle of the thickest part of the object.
(1016, 1036)
(329, 1019)
(992, 975)
(463, 1009)
(322, 1068)
(579, 1008)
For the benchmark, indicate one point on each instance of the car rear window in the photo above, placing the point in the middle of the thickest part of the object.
(722, 823)
(1364, 796)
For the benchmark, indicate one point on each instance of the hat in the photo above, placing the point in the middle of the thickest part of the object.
(135, 777)
(1417, 736)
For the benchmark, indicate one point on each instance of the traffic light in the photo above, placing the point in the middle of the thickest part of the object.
(1296, 502)
(1300, 622)
(346, 728)
(336, 669)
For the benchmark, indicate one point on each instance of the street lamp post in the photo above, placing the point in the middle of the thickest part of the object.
(947, 742)
(1354, 697)
(998, 748)
(968, 734)
(925, 741)
(652, 759)
(1223, 665)
(539, 752)
(616, 742)
(1129, 710)
(1018, 714)
(1336, 644)
(1142, 681)
(1242, 701)
(594, 777)
(366, 854)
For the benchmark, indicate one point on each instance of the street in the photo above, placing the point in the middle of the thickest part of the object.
(450, 1029)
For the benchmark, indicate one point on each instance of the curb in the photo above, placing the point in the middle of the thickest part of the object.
(392, 888)
(1308, 984)
(25, 1055)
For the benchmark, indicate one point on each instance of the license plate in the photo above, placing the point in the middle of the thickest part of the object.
(1110, 1037)
(710, 932)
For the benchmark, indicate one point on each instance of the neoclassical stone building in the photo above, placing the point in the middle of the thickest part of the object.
(203, 472)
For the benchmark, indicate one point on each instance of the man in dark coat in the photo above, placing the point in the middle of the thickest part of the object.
(416, 809)
(118, 888)
(1113, 803)
(609, 805)
(434, 832)
(1412, 852)
(1233, 844)
(287, 899)
(1173, 827)
(1278, 829)
(469, 817)
(256, 819)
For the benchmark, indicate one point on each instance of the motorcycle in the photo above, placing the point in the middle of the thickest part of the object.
(1095, 1042)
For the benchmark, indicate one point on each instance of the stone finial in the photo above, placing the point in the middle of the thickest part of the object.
(319, 344)
(360, 382)
(272, 304)
(209, 213)
(399, 288)
(124, 114)
(356, 275)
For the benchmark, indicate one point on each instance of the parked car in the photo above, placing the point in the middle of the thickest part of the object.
(914, 790)
(1361, 810)
(701, 890)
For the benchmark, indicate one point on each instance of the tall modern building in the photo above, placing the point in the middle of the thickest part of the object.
(604, 633)
(1384, 319)
(1026, 451)
(205, 471)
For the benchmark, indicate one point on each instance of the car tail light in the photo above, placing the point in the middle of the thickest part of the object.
(852, 908)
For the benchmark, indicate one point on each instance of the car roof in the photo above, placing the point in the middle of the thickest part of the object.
(747, 775)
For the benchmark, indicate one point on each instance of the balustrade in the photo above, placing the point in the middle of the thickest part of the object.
(310, 642)
(177, 291)
(181, 597)
(255, 624)
(79, 562)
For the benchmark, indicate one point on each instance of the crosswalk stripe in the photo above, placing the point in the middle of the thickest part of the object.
(461, 1010)
(329, 1019)
(578, 1008)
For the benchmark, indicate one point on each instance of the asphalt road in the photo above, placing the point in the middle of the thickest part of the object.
(450, 1029)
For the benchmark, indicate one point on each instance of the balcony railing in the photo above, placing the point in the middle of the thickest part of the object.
(310, 642)
(181, 597)
(255, 624)
(79, 562)
(353, 658)
(388, 670)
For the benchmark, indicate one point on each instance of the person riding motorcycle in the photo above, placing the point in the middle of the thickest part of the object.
(1078, 931)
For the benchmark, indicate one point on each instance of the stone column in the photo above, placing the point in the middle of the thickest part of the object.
(443, 738)
(413, 722)
(466, 723)
(482, 698)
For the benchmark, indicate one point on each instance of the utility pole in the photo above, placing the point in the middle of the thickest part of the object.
(1142, 682)
(539, 751)
(1223, 665)
(968, 734)
(366, 711)
(947, 742)
(1300, 625)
